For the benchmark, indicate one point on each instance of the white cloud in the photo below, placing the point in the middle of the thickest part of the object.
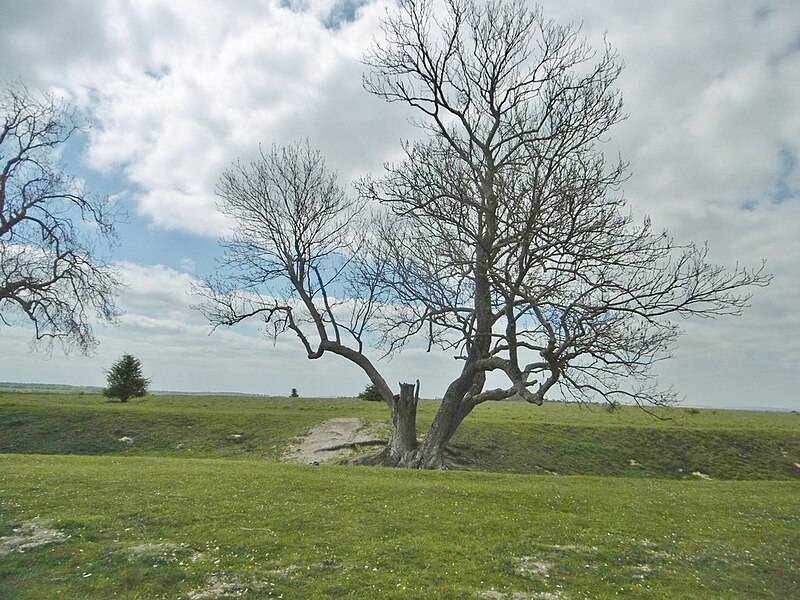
(187, 264)
(179, 90)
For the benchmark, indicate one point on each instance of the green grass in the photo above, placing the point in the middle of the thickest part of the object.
(344, 532)
(173, 515)
(506, 437)
(628, 451)
(177, 426)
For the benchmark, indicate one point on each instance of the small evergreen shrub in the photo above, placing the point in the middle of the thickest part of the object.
(125, 379)
(370, 394)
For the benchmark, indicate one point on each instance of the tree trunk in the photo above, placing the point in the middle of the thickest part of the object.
(403, 440)
(402, 445)
(403, 449)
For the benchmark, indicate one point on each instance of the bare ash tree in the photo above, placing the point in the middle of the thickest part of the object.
(504, 237)
(297, 260)
(52, 274)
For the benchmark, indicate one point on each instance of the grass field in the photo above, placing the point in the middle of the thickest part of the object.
(218, 517)
(510, 437)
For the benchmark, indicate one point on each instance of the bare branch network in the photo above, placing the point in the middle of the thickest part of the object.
(501, 237)
(51, 273)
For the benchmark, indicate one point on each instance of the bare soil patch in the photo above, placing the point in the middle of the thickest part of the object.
(331, 441)
(530, 566)
(495, 595)
(30, 535)
(221, 585)
(164, 553)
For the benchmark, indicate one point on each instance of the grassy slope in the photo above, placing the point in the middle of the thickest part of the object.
(511, 437)
(266, 530)
(566, 439)
(340, 532)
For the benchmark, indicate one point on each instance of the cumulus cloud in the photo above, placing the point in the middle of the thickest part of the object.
(179, 90)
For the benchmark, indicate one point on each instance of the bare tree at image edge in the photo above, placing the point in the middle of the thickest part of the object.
(52, 274)
(503, 238)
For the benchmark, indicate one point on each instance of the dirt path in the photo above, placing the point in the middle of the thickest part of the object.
(332, 440)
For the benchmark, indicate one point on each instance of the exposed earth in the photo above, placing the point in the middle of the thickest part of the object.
(30, 535)
(332, 441)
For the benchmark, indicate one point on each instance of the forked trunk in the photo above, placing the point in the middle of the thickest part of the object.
(403, 449)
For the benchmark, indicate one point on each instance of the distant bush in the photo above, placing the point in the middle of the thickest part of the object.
(370, 394)
(294, 393)
(125, 379)
(692, 411)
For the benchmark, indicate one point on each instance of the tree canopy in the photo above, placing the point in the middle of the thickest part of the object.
(502, 236)
(52, 274)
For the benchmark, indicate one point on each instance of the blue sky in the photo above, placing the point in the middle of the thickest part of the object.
(179, 89)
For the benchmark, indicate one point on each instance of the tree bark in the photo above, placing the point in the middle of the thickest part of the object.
(401, 449)
(403, 440)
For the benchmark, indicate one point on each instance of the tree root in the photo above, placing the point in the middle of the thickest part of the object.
(353, 445)
(410, 460)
